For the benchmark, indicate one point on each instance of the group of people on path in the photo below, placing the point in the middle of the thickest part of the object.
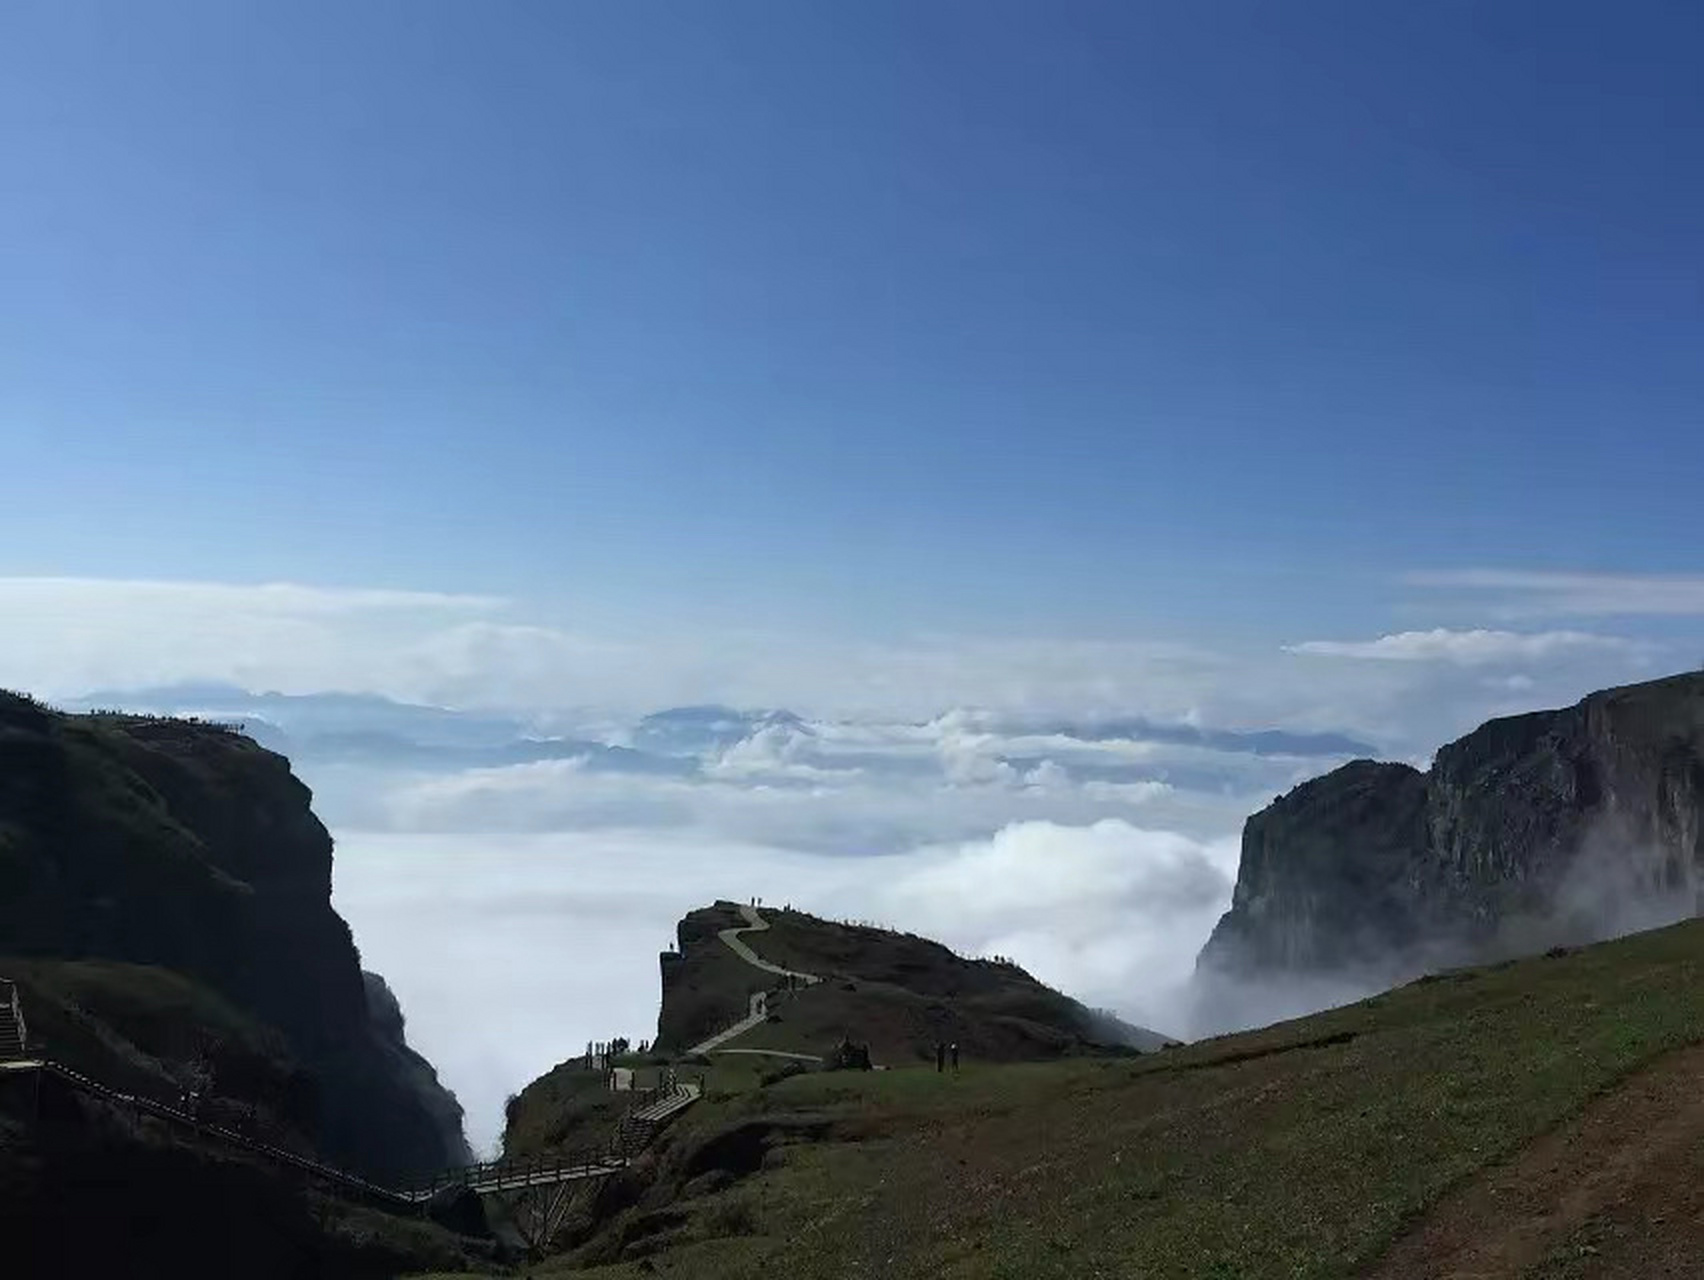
(942, 1051)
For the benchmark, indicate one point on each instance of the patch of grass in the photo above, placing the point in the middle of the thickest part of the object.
(730, 1215)
(568, 1108)
(1296, 1151)
(137, 1026)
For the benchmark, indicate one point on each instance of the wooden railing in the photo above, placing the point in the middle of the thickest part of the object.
(495, 1175)
(174, 1115)
(504, 1175)
(9, 999)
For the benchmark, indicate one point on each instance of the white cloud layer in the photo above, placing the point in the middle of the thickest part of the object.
(510, 952)
(1466, 647)
(1528, 594)
(1074, 804)
(65, 637)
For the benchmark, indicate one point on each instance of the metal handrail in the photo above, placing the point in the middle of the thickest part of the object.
(496, 1175)
(9, 992)
(493, 1175)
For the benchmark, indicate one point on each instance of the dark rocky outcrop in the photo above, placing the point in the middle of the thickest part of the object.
(188, 847)
(412, 1070)
(1552, 827)
(897, 993)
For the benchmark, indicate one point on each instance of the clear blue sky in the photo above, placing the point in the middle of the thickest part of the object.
(1085, 315)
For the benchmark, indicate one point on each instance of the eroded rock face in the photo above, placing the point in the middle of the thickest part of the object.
(1558, 826)
(412, 1070)
(187, 846)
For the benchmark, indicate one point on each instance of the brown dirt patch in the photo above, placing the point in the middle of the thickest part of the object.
(1613, 1193)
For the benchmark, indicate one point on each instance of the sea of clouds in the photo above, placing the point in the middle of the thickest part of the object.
(523, 812)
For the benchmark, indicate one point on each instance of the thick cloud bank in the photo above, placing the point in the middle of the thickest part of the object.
(513, 865)
(513, 951)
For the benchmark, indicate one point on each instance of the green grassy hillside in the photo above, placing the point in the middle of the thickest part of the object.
(1303, 1150)
(158, 1034)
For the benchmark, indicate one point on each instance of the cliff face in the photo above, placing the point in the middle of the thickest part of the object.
(189, 847)
(1558, 826)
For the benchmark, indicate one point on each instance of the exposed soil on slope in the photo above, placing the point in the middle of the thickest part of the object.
(1618, 1192)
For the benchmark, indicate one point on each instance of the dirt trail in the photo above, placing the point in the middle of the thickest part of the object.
(1615, 1192)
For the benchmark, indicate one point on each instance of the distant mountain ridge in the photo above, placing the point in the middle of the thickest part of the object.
(683, 741)
(698, 730)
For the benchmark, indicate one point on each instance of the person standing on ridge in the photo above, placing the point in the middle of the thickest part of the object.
(955, 1057)
(940, 1056)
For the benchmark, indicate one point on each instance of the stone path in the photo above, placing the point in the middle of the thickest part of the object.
(757, 924)
(758, 1010)
(758, 1014)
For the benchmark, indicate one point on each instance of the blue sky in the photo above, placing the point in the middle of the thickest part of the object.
(1090, 319)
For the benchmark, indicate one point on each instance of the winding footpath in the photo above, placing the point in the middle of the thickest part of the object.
(758, 1010)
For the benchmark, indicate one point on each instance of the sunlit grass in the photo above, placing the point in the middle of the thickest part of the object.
(1297, 1151)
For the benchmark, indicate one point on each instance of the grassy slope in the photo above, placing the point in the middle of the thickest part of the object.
(1300, 1150)
(140, 1027)
(572, 1110)
(898, 993)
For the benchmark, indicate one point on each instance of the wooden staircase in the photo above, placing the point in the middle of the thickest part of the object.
(638, 1127)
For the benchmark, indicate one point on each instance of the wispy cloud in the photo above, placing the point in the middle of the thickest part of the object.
(1518, 593)
(267, 597)
(1469, 648)
(65, 636)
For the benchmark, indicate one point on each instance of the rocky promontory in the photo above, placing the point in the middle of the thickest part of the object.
(1534, 830)
(132, 846)
(897, 993)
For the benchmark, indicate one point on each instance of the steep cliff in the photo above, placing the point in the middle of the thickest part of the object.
(1552, 827)
(187, 847)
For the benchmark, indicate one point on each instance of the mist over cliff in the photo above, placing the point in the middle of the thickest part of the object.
(1552, 828)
